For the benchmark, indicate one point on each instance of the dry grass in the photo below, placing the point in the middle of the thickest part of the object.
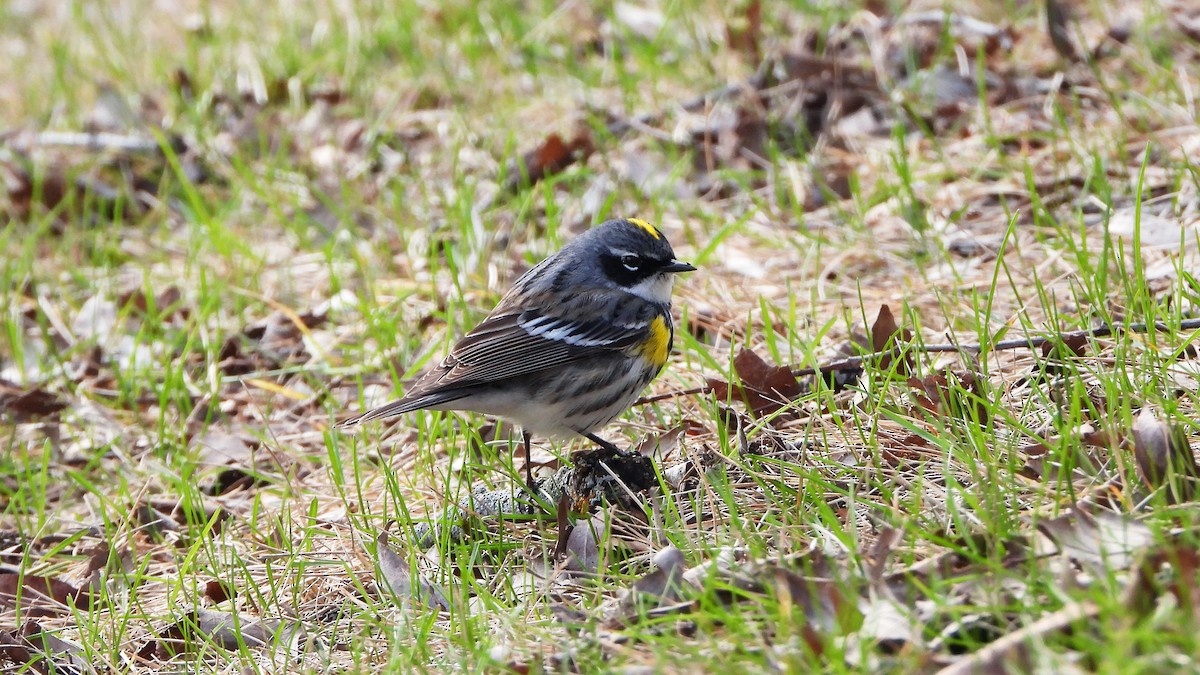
(319, 203)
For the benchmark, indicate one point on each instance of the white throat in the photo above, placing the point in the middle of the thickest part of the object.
(655, 289)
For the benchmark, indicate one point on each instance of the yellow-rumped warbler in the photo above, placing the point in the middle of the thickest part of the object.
(570, 346)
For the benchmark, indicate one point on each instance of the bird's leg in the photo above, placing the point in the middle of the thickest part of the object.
(605, 444)
(528, 464)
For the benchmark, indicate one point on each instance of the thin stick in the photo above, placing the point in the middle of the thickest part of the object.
(101, 141)
(853, 362)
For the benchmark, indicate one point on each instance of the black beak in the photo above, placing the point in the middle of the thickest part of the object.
(676, 266)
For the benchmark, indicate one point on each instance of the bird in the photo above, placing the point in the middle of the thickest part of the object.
(569, 347)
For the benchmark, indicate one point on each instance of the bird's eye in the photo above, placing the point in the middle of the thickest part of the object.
(631, 262)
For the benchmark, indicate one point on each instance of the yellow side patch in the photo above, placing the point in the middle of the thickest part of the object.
(650, 229)
(657, 344)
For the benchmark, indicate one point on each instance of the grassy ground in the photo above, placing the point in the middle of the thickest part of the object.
(288, 211)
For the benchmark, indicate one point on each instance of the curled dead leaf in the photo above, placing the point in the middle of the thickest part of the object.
(199, 627)
(1059, 28)
(581, 552)
(398, 578)
(549, 158)
(1165, 569)
(218, 591)
(1105, 540)
(63, 655)
(662, 444)
(743, 30)
(764, 388)
(24, 403)
(20, 653)
(887, 336)
(953, 394)
(1067, 346)
(661, 590)
(1164, 457)
(45, 593)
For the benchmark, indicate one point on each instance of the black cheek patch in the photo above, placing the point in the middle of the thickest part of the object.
(617, 271)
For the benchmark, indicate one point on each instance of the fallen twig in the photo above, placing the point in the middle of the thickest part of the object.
(855, 362)
(96, 142)
(1013, 648)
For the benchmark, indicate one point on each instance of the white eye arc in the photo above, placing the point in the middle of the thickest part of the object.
(631, 262)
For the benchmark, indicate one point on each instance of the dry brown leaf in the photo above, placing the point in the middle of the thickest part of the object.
(662, 590)
(562, 516)
(662, 445)
(185, 511)
(269, 343)
(66, 657)
(218, 591)
(1169, 568)
(1096, 438)
(887, 336)
(1059, 28)
(22, 654)
(218, 447)
(1073, 344)
(45, 593)
(55, 189)
(813, 594)
(955, 394)
(582, 550)
(821, 602)
(744, 29)
(664, 582)
(1056, 351)
(876, 558)
(223, 629)
(397, 577)
(1164, 457)
(764, 388)
(154, 522)
(736, 138)
(28, 403)
(1186, 19)
(549, 158)
(821, 599)
(166, 304)
(1105, 540)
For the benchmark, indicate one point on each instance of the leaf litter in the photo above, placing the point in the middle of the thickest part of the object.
(832, 107)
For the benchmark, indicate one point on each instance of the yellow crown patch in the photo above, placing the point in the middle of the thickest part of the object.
(650, 229)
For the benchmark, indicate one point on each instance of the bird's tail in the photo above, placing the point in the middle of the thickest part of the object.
(401, 406)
